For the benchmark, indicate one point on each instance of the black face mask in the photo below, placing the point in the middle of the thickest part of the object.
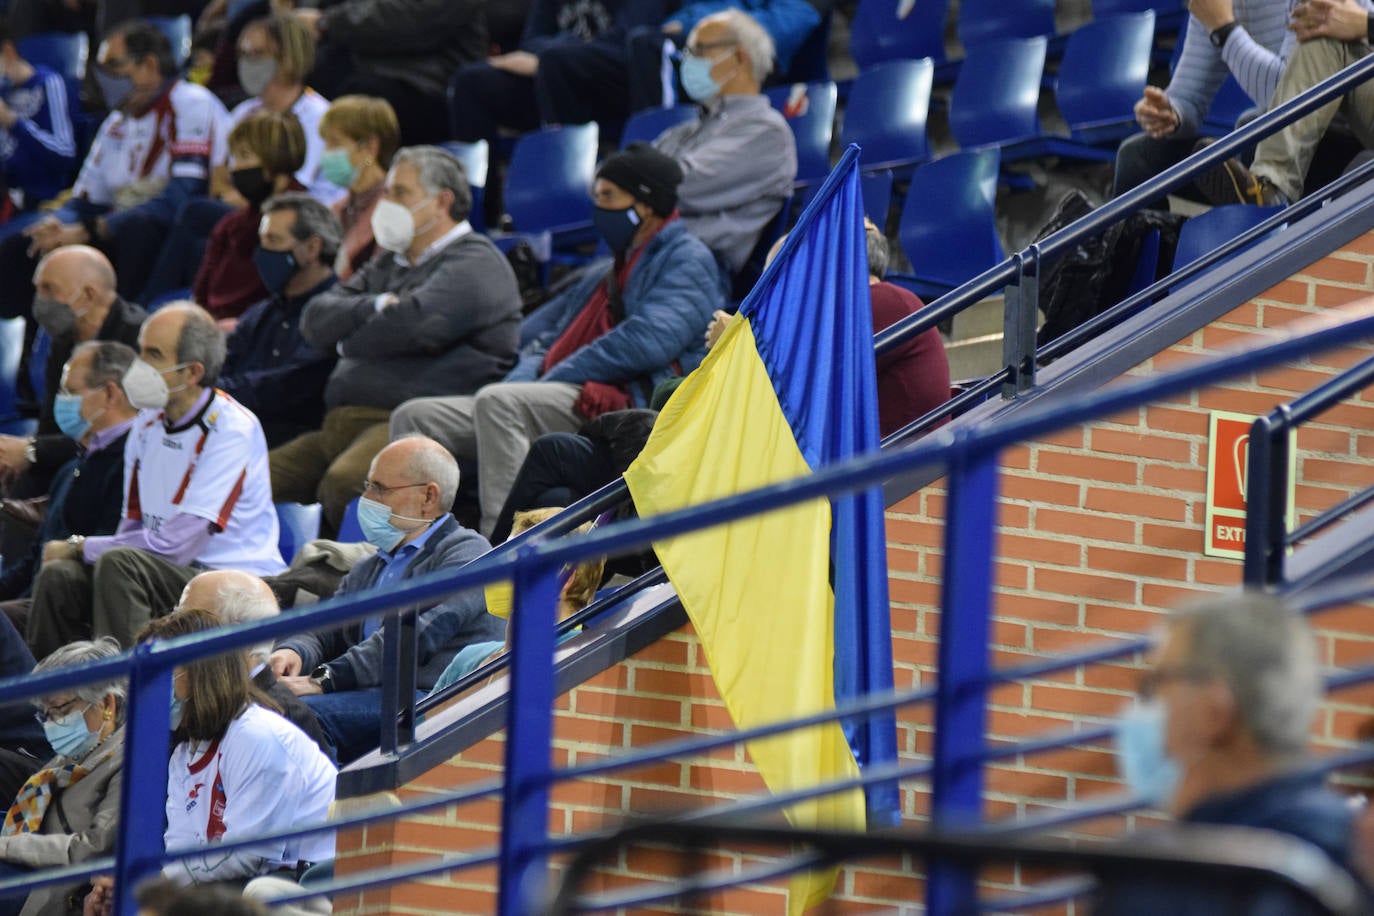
(617, 227)
(253, 184)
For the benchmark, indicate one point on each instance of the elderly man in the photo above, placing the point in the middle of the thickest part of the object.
(1221, 738)
(238, 597)
(196, 491)
(1247, 39)
(270, 367)
(152, 153)
(600, 346)
(437, 313)
(87, 492)
(405, 515)
(739, 159)
(75, 301)
(1332, 34)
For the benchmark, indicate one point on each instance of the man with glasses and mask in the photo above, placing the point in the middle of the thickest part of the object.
(270, 367)
(1220, 737)
(404, 513)
(152, 154)
(196, 492)
(602, 345)
(436, 312)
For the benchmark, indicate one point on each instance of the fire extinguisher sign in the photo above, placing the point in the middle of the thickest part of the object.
(1228, 458)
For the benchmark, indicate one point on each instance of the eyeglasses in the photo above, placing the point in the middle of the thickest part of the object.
(58, 713)
(1152, 681)
(703, 50)
(372, 486)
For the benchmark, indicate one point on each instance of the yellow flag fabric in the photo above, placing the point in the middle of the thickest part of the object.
(757, 590)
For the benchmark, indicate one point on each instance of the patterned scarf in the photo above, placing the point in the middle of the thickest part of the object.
(26, 814)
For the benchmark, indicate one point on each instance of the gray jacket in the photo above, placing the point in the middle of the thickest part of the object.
(79, 824)
(441, 629)
(456, 327)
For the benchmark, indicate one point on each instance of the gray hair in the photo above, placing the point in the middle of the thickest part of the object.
(439, 171)
(85, 652)
(110, 359)
(313, 220)
(201, 340)
(238, 601)
(753, 38)
(1266, 654)
(878, 251)
(433, 463)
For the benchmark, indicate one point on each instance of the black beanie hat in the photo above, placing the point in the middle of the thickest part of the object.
(645, 173)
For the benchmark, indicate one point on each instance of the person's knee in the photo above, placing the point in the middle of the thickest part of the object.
(55, 573)
(407, 419)
(340, 484)
(118, 562)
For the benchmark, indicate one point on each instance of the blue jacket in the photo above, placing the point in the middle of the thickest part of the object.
(38, 154)
(669, 298)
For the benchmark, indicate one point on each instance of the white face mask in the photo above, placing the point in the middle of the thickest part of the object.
(145, 387)
(393, 225)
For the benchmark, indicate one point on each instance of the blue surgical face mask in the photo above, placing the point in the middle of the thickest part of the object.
(69, 735)
(66, 410)
(697, 82)
(617, 227)
(375, 520)
(178, 709)
(275, 268)
(1145, 764)
(114, 89)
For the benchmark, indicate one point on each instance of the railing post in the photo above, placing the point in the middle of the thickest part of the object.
(143, 782)
(1020, 313)
(960, 700)
(529, 735)
(398, 681)
(1266, 498)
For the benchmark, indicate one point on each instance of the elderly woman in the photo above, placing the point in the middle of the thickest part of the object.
(67, 812)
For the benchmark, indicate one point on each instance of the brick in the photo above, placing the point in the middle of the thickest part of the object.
(1165, 508)
(1015, 781)
(1138, 445)
(1186, 422)
(908, 591)
(1171, 537)
(1066, 438)
(1013, 515)
(1253, 403)
(1040, 610)
(1085, 525)
(1334, 296)
(1215, 338)
(1339, 270)
(1168, 596)
(1085, 585)
(1086, 467)
(1346, 473)
(1039, 550)
(620, 706)
(915, 533)
(1022, 724)
(1177, 479)
(1120, 619)
(1218, 571)
(664, 652)
(1137, 562)
(1292, 291)
(1075, 700)
(672, 683)
(1038, 490)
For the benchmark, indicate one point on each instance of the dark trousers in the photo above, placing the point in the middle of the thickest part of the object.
(182, 252)
(577, 83)
(559, 469)
(483, 98)
(423, 117)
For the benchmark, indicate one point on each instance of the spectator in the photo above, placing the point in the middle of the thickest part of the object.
(599, 346)
(152, 154)
(196, 491)
(1246, 39)
(403, 51)
(23, 744)
(1221, 738)
(577, 592)
(75, 302)
(360, 137)
(740, 159)
(264, 150)
(566, 45)
(1332, 34)
(67, 812)
(437, 313)
(787, 23)
(237, 597)
(37, 143)
(270, 368)
(268, 775)
(161, 897)
(405, 514)
(85, 497)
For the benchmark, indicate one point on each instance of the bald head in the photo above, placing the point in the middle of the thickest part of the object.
(82, 280)
(237, 597)
(420, 460)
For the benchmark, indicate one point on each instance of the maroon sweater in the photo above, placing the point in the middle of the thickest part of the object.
(914, 378)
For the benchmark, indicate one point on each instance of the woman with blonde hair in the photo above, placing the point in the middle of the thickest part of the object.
(360, 134)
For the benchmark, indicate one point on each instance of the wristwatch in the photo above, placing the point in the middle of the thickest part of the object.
(1219, 36)
(77, 543)
(323, 678)
(31, 452)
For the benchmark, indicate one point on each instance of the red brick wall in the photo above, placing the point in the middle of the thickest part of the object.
(1100, 530)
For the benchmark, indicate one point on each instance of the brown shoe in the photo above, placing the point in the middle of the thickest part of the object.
(1231, 183)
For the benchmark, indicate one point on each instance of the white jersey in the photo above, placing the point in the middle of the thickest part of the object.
(214, 467)
(309, 108)
(183, 135)
(264, 774)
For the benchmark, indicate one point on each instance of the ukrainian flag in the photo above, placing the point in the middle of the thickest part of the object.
(790, 607)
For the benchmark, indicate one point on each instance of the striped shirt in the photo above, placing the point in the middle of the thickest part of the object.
(38, 154)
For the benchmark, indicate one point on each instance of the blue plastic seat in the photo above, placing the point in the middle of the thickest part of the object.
(474, 157)
(1169, 14)
(63, 52)
(982, 21)
(995, 98)
(880, 32)
(11, 350)
(810, 112)
(811, 63)
(948, 229)
(645, 126)
(299, 524)
(1205, 232)
(876, 188)
(887, 114)
(350, 532)
(548, 184)
(178, 32)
